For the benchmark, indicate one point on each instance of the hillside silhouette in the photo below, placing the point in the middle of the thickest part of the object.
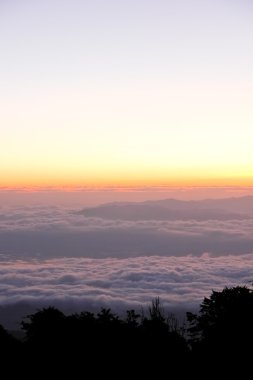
(173, 209)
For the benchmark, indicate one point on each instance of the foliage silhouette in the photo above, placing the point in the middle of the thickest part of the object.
(103, 336)
(221, 334)
(223, 330)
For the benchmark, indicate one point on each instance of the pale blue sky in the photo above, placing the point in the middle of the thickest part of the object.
(112, 40)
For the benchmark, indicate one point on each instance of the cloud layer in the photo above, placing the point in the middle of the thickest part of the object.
(48, 232)
(82, 283)
(53, 255)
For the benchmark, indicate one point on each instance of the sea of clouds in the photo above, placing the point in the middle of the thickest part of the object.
(131, 281)
(49, 232)
(55, 256)
(75, 284)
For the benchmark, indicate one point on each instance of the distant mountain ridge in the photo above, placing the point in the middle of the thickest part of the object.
(173, 209)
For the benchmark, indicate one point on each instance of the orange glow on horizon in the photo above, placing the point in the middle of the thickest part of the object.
(118, 182)
(102, 173)
(160, 99)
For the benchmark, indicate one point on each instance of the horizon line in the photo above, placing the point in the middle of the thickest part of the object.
(119, 188)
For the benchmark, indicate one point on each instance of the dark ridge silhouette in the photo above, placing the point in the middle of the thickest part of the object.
(219, 337)
(172, 209)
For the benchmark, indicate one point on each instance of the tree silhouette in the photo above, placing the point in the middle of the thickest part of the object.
(220, 337)
(224, 326)
(44, 325)
(132, 319)
(156, 311)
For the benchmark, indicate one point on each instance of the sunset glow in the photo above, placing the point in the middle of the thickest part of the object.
(126, 94)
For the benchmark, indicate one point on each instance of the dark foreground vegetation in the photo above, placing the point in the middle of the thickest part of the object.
(219, 337)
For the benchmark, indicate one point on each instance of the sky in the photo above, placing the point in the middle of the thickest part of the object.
(126, 93)
(108, 102)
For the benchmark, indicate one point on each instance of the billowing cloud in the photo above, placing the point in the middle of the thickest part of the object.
(85, 283)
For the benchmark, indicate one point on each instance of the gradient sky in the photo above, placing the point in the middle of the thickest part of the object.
(126, 92)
